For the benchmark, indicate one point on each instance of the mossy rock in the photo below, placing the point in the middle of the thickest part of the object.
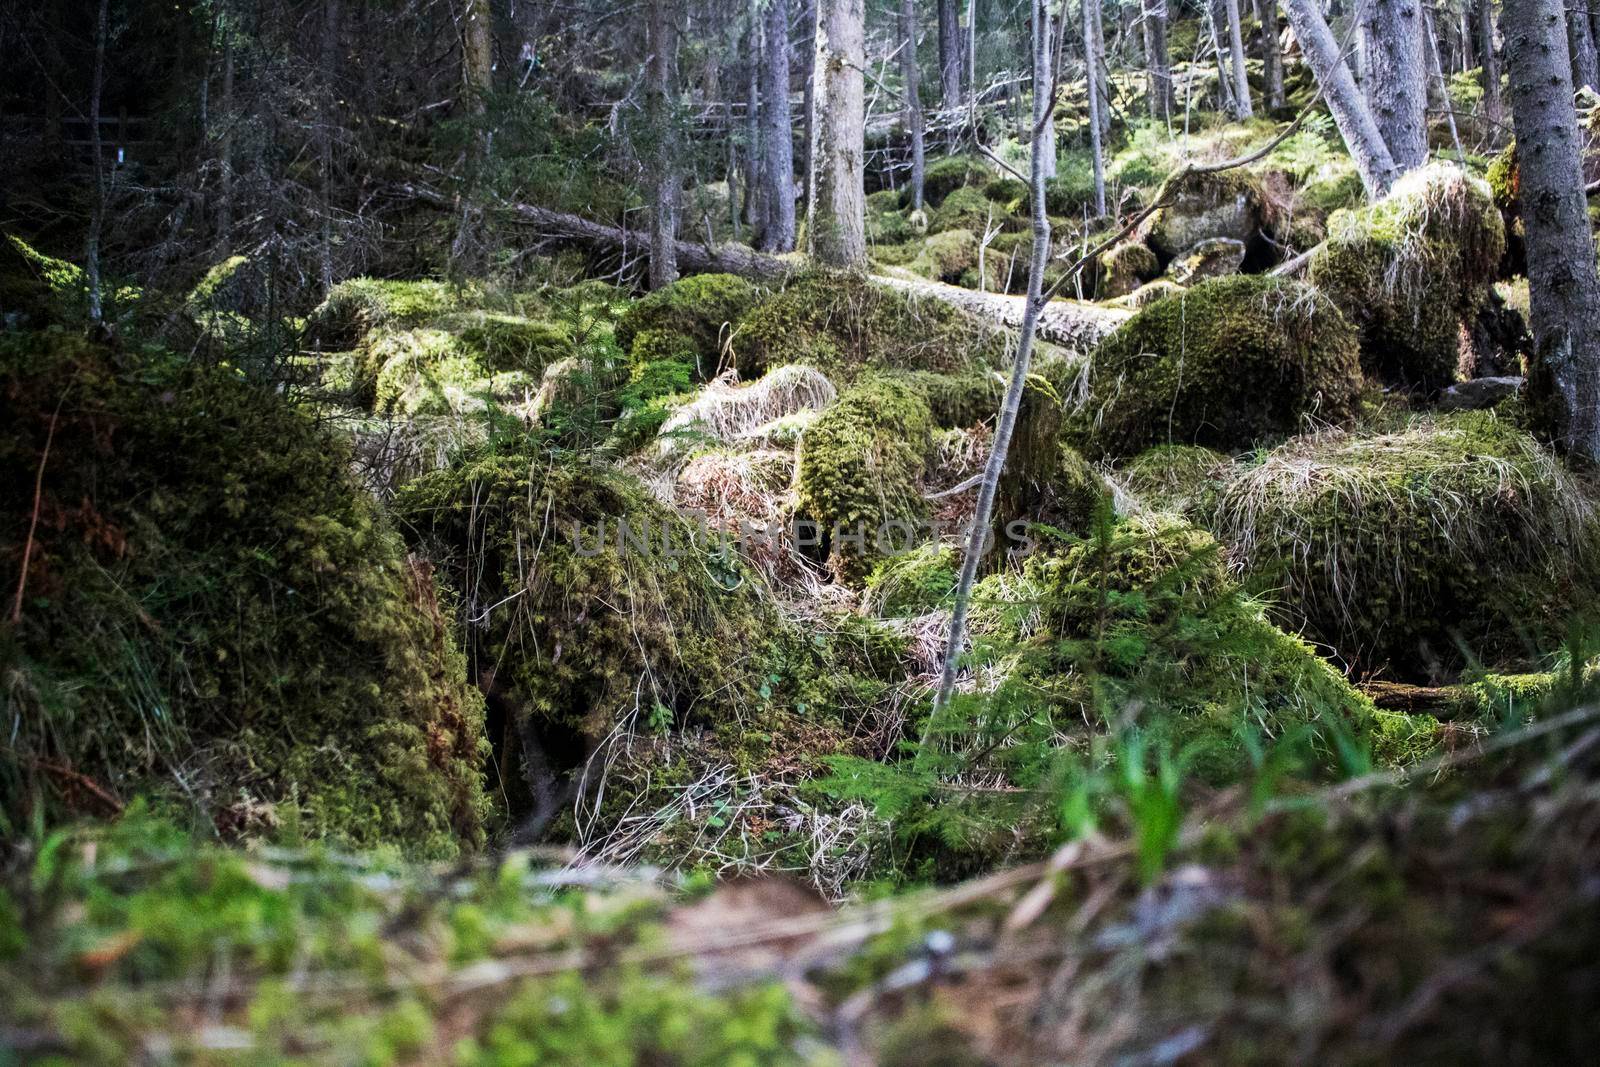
(1454, 537)
(1143, 618)
(39, 290)
(960, 400)
(1411, 269)
(1227, 364)
(505, 342)
(1045, 480)
(947, 255)
(1126, 267)
(356, 307)
(702, 307)
(964, 209)
(843, 323)
(914, 583)
(1202, 206)
(1012, 192)
(1181, 479)
(429, 371)
(212, 599)
(860, 471)
(944, 176)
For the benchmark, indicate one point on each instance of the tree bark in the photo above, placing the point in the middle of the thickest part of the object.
(755, 204)
(1398, 81)
(983, 512)
(836, 225)
(329, 93)
(1493, 109)
(777, 135)
(1158, 66)
(913, 87)
(1090, 50)
(1241, 81)
(1040, 21)
(224, 242)
(949, 53)
(1585, 64)
(1367, 148)
(664, 188)
(1271, 52)
(1564, 291)
(97, 216)
(477, 53)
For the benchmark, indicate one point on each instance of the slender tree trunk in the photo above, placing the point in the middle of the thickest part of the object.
(1097, 65)
(808, 136)
(837, 225)
(225, 140)
(971, 49)
(664, 189)
(950, 53)
(1464, 32)
(1350, 113)
(1271, 52)
(755, 204)
(1096, 148)
(1398, 85)
(477, 53)
(913, 86)
(1217, 31)
(1441, 86)
(1564, 291)
(1040, 21)
(778, 131)
(1158, 67)
(1493, 109)
(1241, 81)
(1585, 64)
(329, 90)
(97, 216)
(983, 513)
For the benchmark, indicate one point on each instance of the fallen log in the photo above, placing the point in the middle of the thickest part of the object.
(1443, 702)
(1069, 323)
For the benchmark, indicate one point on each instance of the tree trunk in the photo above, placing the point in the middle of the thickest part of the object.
(1350, 113)
(1271, 52)
(477, 53)
(1098, 66)
(1564, 291)
(1493, 109)
(97, 215)
(1158, 67)
(983, 512)
(225, 140)
(836, 226)
(1398, 84)
(777, 135)
(664, 188)
(808, 136)
(1096, 148)
(1040, 21)
(912, 78)
(949, 53)
(755, 205)
(1585, 65)
(1241, 82)
(329, 94)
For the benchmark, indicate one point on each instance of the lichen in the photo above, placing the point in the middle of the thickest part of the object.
(1226, 364)
(1409, 270)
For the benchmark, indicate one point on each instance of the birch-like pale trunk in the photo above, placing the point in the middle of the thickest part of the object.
(913, 86)
(97, 216)
(1091, 43)
(1241, 83)
(1362, 139)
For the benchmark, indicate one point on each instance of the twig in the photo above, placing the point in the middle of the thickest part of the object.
(33, 523)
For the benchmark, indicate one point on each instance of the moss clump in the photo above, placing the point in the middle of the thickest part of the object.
(860, 468)
(1046, 480)
(504, 342)
(964, 209)
(914, 583)
(356, 307)
(429, 371)
(1201, 206)
(1126, 267)
(1225, 364)
(1181, 479)
(960, 400)
(944, 176)
(1411, 269)
(210, 598)
(703, 308)
(1409, 550)
(842, 323)
(1143, 615)
(947, 255)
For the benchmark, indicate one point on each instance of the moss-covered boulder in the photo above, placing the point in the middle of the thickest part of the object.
(1141, 619)
(1452, 538)
(1410, 270)
(965, 209)
(502, 342)
(1202, 206)
(214, 612)
(1045, 480)
(913, 583)
(944, 176)
(1125, 267)
(702, 308)
(354, 308)
(947, 255)
(1226, 364)
(1181, 479)
(860, 471)
(843, 323)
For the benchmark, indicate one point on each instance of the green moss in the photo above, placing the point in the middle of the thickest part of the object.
(429, 371)
(960, 400)
(355, 307)
(1142, 618)
(1229, 203)
(1226, 364)
(1182, 479)
(1008, 191)
(842, 323)
(944, 176)
(1046, 480)
(1125, 267)
(1409, 550)
(860, 468)
(1411, 269)
(914, 583)
(964, 209)
(214, 601)
(703, 308)
(947, 255)
(504, 342)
